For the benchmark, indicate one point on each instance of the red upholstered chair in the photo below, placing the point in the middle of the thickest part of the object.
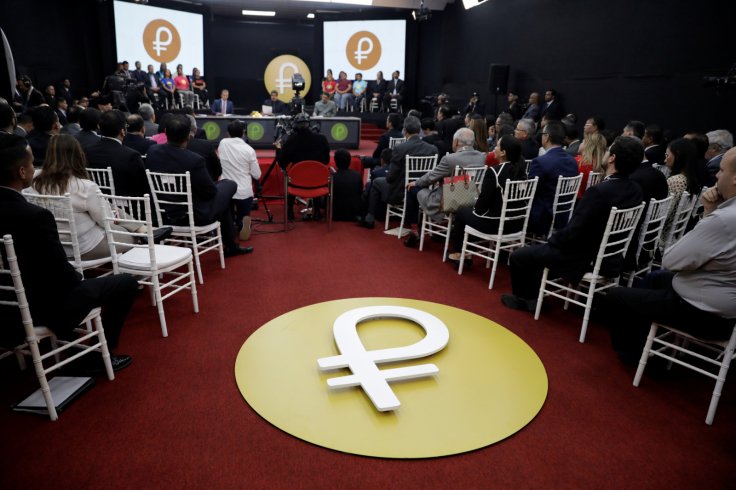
(310, 179)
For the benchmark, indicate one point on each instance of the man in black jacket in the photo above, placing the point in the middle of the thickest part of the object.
(89, 121)
(57, 296)
(571, 250)
(135, 135)
(210, 200)
(393, 130)
(45, 125)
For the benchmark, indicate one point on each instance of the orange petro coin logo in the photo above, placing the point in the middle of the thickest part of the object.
(162, 41)
(363, 50)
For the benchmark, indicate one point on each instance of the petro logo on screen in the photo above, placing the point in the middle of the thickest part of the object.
(161, 40)
(279, 72)
(339, 132)
(255, 131)
(363, 50)
(391, 377)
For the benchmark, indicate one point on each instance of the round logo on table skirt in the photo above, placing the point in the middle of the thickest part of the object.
(391, 377)
(339, 132)
(211, 130)
(255, 131)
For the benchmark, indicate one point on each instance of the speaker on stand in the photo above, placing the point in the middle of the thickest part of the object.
(498, 81)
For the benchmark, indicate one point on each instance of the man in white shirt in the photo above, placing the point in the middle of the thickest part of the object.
(239, 164)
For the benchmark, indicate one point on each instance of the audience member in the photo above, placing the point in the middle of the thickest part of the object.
(572, 138)
(634, 128)
(45, 125)
(211, 200)
(653, 141)
(513, 108)
(420, 194)
(719, 142)
(57, 296)
(447, 123)
(393, 130)
(7, 118)
(478, 127)
(60, 107)
(594, 124)
(149, 119)
(551, 108)
(571, 250)
(681, 161)
(72, 126)
(205, 148)
(475, 106)
(592, 158)
(432, 137)
(135, 136)
(347, 186)
(532, 108)
(240, 164)
(64, 90)
(23, 124)
(701, 148)
(524, 132)
(27, 96)
(325, 107)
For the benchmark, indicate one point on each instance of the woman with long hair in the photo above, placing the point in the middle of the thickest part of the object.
(591, 155)
(199, 86)
(65, 171)
(681, 159)
(328, 84)
(478, 126)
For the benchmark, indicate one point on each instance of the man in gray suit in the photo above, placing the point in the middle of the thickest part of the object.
(419, 193)
(390, 189)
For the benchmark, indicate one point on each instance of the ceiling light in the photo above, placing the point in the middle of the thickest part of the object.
(310, 16)
(351, 2)
(469, 4)
(262, 13)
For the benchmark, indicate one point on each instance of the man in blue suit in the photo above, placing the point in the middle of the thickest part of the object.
(223, 105)
(555, 163)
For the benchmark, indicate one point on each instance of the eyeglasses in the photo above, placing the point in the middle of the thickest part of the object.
(545, 132)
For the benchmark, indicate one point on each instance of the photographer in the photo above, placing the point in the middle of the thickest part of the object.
(302, 144)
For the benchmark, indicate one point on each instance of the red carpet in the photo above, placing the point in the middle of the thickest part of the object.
(175, 418)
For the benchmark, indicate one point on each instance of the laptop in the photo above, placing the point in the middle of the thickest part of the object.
(266, 110)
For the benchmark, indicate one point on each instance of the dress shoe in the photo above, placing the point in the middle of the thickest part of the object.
(412, 240)
(367, 224)
(237, 250)
(93, 365)
(455, 260)
(516, 303)
(119, 362)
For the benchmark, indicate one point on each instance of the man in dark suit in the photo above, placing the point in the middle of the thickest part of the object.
(277, 107)
(211, 201)
(524, 132)
(394, 91)
(532, 108)
(89, 121)
(208, 150)
(448, 121)
(128, 171)
(58, 297)
(223, 105)
(549, 167)
(653, 144)
(551, 108)
(45, 124)
(391, 188)
(571, 250)
(347, 186)
(135, 135)
(393, 130)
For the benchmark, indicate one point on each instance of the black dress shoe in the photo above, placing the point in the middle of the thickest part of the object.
(367, 224)
(412, 240)
(93, 365)
(517, 303)
(119, 362)
(237, 250)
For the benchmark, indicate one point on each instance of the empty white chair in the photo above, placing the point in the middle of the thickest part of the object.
(103, 178)
(619, 229)
(175, 190)
(442, 228)
(517, 205)
(649, 236)
(88, 341)
(416, 166)
(155, 265)
(61, 208)
(672, 342)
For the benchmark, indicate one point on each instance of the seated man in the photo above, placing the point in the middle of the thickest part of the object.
(524, 132)
(222, 106)
(58, 297)
(697, 291)
(347, 185)
(419, 193)
(390, 189)
(135, 136)
(128, 171)
(394, 91)
(325, 107)
(45, 125)
(393, 130)
(277, 107)
(89, 121)
(549, 167)
(571, 250)
(359, 89)
(211, 201)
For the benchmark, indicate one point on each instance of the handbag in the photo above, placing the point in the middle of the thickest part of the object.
(458, 191)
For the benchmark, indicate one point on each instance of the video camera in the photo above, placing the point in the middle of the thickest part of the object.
(286, 125)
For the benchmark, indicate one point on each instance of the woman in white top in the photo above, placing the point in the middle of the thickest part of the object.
(64, 171)
(239, 164)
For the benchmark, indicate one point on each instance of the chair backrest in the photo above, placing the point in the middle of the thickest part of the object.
(593, 179)
(61, 208)
(128, 213)
(15, 294)
(565, 197)
(651, 230)
(103, 178)
(418, 166)
(617, 236)
(517, 203)
(680, 218)
(393, 142)
(309, 175)
(697, 211)
(171, 194)
(528, 162)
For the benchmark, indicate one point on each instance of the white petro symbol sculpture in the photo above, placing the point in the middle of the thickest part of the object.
(363, 363)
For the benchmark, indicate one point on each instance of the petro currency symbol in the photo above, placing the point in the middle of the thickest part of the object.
(282, 81)
(361, 53)
(160, 44)
(363, 363)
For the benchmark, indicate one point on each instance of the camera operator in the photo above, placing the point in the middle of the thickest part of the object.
(302, 144)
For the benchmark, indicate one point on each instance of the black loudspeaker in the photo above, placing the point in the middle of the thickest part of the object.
(498, 79)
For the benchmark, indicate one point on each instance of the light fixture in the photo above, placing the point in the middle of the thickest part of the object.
(351, 2)
(423, 14)
(261, 13)
(469, 4)
(310, 15)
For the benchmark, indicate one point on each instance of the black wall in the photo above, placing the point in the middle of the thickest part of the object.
(622, 59)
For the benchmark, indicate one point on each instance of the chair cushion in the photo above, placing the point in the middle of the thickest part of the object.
(166, 256)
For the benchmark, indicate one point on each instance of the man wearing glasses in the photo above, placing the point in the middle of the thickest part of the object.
(524, 132)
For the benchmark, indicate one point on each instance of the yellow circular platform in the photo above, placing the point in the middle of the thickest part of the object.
(490, 383)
